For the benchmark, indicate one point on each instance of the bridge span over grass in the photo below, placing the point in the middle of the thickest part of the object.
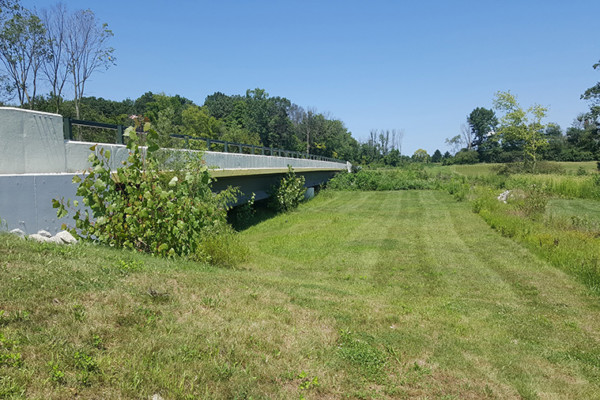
(38, 160)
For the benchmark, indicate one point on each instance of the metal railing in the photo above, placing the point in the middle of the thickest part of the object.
(228, 147)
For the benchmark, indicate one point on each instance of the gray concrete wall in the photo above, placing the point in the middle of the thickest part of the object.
(32, 142)
(26, 201)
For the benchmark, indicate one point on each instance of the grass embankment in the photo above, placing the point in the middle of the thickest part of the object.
(355, 295)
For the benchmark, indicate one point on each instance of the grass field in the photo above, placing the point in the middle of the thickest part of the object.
(569, 168)
(380, 295)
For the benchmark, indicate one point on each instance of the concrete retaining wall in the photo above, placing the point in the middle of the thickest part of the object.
(26, 201)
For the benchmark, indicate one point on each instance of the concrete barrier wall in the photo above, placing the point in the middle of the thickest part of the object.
(26, 201)
(33, 142)
(30, 142)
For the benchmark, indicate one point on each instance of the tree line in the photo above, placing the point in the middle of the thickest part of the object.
(518, 134)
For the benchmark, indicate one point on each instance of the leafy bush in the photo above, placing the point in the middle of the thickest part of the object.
(142, 207)
(289, 193)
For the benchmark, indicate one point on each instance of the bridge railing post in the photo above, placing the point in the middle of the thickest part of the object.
(67, 128)
(120, 135)
(225, 149)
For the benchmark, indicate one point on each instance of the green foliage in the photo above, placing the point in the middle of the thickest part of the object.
(56, 374)
(141, 207)
(421, 155)
(23, 49)
(222, 247)
(198, 122)
(482, 121)
(465, 157)
(522, 126)
(410, 177)
(531, 202)
(289, 193)
(8, 352)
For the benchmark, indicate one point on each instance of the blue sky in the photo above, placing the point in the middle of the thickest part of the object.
(418, 66)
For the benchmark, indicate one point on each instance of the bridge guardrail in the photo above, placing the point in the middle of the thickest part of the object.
(227, 146)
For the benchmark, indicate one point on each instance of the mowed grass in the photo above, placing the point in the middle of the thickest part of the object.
(355, 295)
(575, 208)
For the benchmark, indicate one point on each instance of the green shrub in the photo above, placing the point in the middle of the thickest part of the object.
(289, 193)
(141, 207)
(406, 178)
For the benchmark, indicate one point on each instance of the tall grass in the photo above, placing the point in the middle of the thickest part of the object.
(574, 187)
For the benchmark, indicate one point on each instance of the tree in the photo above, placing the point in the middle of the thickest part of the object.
(593, 96)
(436, 157)
(454, 143)
(522, 125)
(197, 122)
(593, 132)
(483, 123)
(87, 50)
(219, 105)
(8, 8)
(56, 69)
(421, 156)
(466, 134)
(23, 50)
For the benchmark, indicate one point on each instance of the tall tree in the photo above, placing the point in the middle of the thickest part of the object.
(86, 45)
(593, 95)
(23, 50)
(483, 123)
(522, 125)
(56, 69)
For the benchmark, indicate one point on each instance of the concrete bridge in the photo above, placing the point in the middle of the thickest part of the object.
(37, 164)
